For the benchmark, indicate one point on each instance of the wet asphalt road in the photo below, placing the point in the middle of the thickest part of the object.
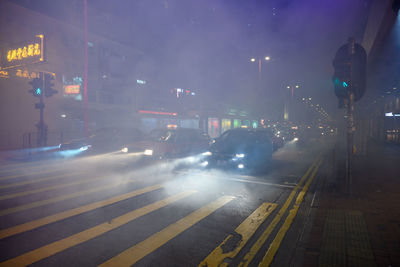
(113, 210)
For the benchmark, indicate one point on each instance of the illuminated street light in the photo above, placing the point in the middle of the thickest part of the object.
(267, 58)
(289, 106)
(292, 87)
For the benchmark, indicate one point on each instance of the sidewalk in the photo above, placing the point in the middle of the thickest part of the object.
(362, 229)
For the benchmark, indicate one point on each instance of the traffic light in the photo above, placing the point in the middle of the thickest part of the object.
(350, 72)
(342, 74)
(341, 79)
(37, 87)
(49, 85)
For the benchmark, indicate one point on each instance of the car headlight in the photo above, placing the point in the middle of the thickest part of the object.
(84, 148)
(125, 150)
(148, 152)
(240, 155)
(208, 153)
(204, 164)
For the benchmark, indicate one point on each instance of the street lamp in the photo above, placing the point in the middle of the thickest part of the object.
(288, 107)
(292, 87)
(267, 58)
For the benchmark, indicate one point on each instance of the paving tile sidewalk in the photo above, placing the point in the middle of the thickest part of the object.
(362, 229)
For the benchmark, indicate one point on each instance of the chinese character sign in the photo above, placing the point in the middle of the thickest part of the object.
(25, 53)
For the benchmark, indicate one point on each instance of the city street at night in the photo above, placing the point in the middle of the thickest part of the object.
(204, 133)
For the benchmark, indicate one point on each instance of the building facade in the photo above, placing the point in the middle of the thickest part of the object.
(112, 78)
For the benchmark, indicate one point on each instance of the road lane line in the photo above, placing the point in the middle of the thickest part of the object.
(264, 236)
(48, 188)
(273, 248)
(78, 238)
(140, 250)
(27, 174)
(73, 212)
(39, 203)
(245, 231)
(34, 181)
(17, 166)
(257, 182)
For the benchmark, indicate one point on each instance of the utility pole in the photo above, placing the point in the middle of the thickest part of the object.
(85, 72)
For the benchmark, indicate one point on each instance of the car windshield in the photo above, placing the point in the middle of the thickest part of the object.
(243, 137)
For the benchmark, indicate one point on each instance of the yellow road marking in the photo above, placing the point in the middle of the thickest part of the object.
(17, 166)
(138, 251)
(76, 239)
(264, 236)
(246, 230)
(72, 212)
(38, 180)
(273, 248)
(39, 203)
(27, 174)
(43, 189)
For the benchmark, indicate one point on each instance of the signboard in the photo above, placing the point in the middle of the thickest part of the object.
(72, 89)
(4, 74)
(27, 74)
(28, 52)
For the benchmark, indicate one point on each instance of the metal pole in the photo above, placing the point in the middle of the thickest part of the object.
(41, 128)
(350, 122)
(85, 75)
(40, 125)
(350, 136)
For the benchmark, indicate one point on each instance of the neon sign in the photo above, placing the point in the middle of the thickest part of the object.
(4, 74)
(27, 74)
(72, 89)
(26, 53)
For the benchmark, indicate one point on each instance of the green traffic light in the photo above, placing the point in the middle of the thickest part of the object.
(345, 84)
(336, 81)
(38, 91)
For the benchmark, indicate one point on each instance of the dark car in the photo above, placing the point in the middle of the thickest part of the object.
(241, 149)
(170, 143)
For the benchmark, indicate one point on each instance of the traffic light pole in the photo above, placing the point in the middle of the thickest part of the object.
(350, 139)
(42, 86)
(349, 78)
(350, 123)
(41, 127)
